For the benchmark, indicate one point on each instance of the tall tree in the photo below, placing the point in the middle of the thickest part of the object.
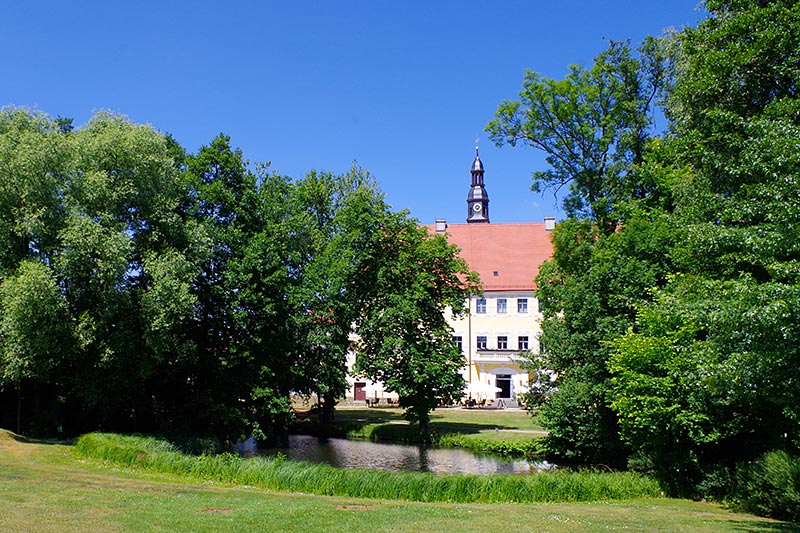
(709, 376)
(90, 206)
(333, 223)
(241, 375)
(405, 340)
(596, 127)
(593, 125)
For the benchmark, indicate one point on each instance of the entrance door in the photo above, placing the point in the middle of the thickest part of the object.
(504, 382)
(359, 394)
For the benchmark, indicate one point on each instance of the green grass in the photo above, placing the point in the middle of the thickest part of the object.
(281, 475)
(471, 419)
(44, 487)
(508, 432)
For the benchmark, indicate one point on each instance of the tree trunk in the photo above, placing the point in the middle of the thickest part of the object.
(326, 411)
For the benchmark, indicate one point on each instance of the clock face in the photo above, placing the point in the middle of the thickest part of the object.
(477, 208)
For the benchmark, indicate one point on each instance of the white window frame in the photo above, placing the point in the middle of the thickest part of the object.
(480, 306)
(504, 303)
(522, 306)
(481, 342)
(502, 342)
(520, 342)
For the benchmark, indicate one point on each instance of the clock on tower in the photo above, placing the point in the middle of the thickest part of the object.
(477, 199)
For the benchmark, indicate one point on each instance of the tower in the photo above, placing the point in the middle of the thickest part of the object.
(477, 199)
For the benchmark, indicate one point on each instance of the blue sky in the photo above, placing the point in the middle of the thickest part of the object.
(402, 88)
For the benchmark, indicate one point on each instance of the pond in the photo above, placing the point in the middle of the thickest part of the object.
(345, 453)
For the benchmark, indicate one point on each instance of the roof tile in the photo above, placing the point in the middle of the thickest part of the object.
(514, 251)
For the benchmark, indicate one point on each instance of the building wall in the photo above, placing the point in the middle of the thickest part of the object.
(484, 365)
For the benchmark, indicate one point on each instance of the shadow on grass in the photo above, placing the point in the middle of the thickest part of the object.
(766, 527)
(10, 435)
(380, 430)
(383, 416)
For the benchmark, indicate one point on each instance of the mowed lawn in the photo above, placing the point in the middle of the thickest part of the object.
(493, 424)
(47, 487)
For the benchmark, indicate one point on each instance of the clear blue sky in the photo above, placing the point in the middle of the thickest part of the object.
(403, 88)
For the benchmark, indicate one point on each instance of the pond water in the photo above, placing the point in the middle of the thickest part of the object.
(345, 453)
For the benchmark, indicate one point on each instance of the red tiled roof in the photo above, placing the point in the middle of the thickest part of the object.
(514, 251)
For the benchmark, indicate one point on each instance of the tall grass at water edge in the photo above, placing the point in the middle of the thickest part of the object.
(279, 474)
(527, 447)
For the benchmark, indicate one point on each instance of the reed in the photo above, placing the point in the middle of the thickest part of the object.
(505, 448)
(279, 474)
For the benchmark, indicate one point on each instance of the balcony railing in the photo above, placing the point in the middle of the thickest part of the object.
(497, 356)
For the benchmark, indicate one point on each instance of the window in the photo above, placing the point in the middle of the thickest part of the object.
(481, 342)
(502, 305)
(522, 343)
(522, 305)
(480, 306)
(459, 343)
(502, 343)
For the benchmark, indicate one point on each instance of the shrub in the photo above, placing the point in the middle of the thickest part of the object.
(771, 486)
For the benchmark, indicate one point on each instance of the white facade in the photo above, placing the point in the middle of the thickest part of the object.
(499, 327)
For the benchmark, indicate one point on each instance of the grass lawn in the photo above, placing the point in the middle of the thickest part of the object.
(46, 487)
(493, 425)
(479, 419)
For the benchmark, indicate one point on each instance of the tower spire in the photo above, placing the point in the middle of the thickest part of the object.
(477, 199)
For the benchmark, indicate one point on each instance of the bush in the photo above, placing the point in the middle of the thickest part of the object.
(771, 486)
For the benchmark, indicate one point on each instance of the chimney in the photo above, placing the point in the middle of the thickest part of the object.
(549, 223)
(441, 225)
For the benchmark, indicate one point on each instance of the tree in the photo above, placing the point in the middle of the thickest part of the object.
(708, 377)
(34, 161)
(91, 208)
(333, 220)
(596, 127)
(405, 341)
(35, 337)
(589, 293)
(593, 125)
(238, 382)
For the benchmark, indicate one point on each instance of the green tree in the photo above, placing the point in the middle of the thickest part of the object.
(35, 337)
(405, 340)
(333, 223)
(708, 376)
(35, 159)
(596, 127)
(240, 378)
(92, 206)
(593, 125)
(588, 294)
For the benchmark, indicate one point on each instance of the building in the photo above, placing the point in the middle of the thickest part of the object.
(505, 320)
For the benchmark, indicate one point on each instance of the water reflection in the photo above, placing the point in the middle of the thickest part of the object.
(345, 453)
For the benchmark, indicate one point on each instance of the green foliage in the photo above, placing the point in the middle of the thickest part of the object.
(282, 475)
(707, 379)
(698, 384)
(593, 125)
(144, 288)
(405, 340)
(335, 219)
(505, 448)
(34, 333)
(588, 294)
(770, 486)
(670, 316)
